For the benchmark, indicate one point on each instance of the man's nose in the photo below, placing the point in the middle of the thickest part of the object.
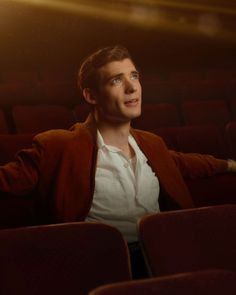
(130, 86)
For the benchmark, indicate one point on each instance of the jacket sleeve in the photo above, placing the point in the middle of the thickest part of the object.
(21, 176)
(193, 165)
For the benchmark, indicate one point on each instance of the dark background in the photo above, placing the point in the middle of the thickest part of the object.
(191, 35)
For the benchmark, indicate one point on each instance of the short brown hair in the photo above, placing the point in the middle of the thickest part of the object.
(88, 74)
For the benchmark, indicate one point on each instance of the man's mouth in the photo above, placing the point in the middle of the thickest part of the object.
(132, 102)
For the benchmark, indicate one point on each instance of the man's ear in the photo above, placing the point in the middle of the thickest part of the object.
(89, 96)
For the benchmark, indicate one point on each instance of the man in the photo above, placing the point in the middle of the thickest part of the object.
(103, 170)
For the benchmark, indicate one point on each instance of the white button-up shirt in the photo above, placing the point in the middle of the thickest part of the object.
(125, 189)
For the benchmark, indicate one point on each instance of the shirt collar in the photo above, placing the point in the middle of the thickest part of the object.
(101, 145)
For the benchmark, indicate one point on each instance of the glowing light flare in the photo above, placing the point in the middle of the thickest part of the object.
(145, 14)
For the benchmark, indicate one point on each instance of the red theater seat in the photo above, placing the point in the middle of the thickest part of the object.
(57, 75)
(215, 282)
(59, 92)
(205, 112)
(195, 139)
(232, 104)
(185, 77)
(219, 76)
(71, 258)
(13, 93)
(15, 211)
(161, 92)
(169, 135)
(203, 140)
(81, 112)
(3, 123)
(19, 77)
(190, 240)
(205, 90)
(231, 138)
(157, 115)
(215, 190)
(33, 119)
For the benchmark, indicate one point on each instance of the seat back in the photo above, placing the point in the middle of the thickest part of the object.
(202, 139)
(157, 115)
(215, 282)
(38, 118)
(190, 240)
(70, 258)
(81, 112)
(206, 112)
(3, 123)
(231, 138)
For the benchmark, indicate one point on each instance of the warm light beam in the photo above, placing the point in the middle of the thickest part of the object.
(145, 14)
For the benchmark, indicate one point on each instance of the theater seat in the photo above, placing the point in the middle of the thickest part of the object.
(219, 189)
(161, 92)
(71, 258)
(202, 139)
(215, 282)
(231, 138)
(33, 119)
(12, 76)
(189, 240)
(157, 115)
(232, 104)
(205, 112)
(15, 93)
(81, 112)
(15, 211)
(59, 92)
(205, 90)
(3, 123)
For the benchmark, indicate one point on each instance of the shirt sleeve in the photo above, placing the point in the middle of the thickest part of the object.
(193, 165)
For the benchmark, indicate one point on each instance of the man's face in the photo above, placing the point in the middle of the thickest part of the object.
(119, 96)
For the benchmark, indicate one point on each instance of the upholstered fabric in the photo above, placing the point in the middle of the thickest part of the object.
(190, 240)
(215, 282)
(70, 258)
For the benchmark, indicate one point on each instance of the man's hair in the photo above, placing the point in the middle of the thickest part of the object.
(88, 76)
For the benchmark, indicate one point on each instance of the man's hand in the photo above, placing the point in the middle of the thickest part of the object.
(231, 166)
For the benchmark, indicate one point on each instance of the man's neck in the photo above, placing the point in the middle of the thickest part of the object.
(117, 135)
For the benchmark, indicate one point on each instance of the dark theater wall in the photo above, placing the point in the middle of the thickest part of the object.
(38, 36)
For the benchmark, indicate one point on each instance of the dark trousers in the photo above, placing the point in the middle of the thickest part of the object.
(138, 265)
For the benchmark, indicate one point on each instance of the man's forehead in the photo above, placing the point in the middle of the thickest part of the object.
(117, 67)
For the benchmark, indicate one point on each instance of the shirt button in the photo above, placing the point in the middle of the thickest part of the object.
(126, 165)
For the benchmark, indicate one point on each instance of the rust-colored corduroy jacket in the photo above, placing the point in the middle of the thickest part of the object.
(61, 166)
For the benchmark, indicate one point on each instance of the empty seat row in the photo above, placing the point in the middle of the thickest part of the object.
(188, 252)
(199, 139)
(76, 258)
(166, 91)
(36, 118)
(214, 281)
(205, 139)
(66, 92)
(215, 112)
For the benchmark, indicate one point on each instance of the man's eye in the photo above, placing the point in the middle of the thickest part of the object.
(116, 81)
(135, 76)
